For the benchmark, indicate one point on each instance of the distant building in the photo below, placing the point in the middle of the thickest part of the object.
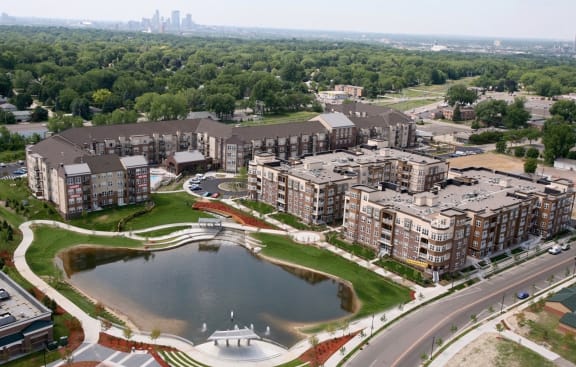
(175, 20)
(566, 164)
(352, 90)
(466, 113)
(332, 97)
(25, 323)
(189, 162)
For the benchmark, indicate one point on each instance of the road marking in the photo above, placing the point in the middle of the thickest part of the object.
(503, 290)
(373, 363)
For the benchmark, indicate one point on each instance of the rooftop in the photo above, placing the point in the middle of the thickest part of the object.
(20, 306)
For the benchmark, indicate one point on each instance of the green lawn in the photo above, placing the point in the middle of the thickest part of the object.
(48, 241)
(375, 293)
(295, 222)
(543, 331)
(259, 206)
(301, 116)
(357, 250)
(410, 104)
(17, 193)
(162, 232)
(170, 208)
(404, 270)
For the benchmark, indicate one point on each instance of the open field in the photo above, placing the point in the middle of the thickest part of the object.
(489, 160)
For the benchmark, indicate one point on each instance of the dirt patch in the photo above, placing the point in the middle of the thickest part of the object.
(482, 352)
(490, 160)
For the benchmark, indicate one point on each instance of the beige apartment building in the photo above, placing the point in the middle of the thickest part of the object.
(476, 212)
(313, 188)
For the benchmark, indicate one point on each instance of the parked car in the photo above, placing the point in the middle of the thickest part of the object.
(2, 164)
(207, 194)
(194, 187)
(215, 195)
(18, 172)
(522, 295)
(555, 250)
(565, 246)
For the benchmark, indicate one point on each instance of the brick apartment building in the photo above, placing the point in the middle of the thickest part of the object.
(476, 212)
(313, 188)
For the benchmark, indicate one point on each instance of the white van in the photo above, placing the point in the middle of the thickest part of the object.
(555, 250)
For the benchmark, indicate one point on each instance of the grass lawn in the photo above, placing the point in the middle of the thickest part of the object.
(162, 232)
(259, 206)
(404, 270)
(410, 104)
(301, 116)
(48, 241)
(375, 293)
(107, 219)
(16, 192)
(170, 208)
(543, 331)
(514, 354)
(295, 222)
(357, 250)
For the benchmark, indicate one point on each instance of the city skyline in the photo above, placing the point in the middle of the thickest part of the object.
(494, 19)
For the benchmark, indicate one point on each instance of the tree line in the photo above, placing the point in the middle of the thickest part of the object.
(165, 76)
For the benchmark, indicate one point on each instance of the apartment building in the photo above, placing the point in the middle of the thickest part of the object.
(77, 181)
(476, 212)
(351, 90)
(313, 188)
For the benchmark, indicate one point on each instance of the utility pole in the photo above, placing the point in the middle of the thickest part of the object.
(502, 303)
(372, 326)
(432, 349)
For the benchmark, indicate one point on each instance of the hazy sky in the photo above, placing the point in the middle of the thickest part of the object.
(491, 18)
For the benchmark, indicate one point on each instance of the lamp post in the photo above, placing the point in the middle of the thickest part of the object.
(372, 326)
(574, 272)
(502, 303)
(432, 349)
(45, 346)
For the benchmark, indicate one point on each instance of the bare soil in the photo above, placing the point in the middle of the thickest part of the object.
(482, 352)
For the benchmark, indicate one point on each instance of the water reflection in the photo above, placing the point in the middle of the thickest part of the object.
(182, 290)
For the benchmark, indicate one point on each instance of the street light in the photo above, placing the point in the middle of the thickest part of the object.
(574, 272)
(502, 303)
(432, 349)
(372, 326)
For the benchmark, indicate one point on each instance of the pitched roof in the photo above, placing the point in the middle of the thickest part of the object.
(134, 161)
(567, 297)
(103, 164)
(335, 120)
(569, 319)
(184, 157)
(249, 133)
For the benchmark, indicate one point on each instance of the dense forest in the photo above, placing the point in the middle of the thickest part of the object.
(165, 76)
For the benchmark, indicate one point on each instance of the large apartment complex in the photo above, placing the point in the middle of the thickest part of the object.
(84, 169)
(313, 188)
(476, 212)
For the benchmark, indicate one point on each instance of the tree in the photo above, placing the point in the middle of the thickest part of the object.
(101, 96)
(155, 334)
(39, 114)
(564, 108)
(558, 138)
(499, 328)
(457, 113)
(314, 341)
(168, 107)
(81, 107)
(516, 115)
(501, 146)
(128, 333)
(292, 72)
(460, 94)
(22, 101)
(7, 117)
(519, 152)
(222, 105)
(530, 165)
(532, 153)
(491, 112)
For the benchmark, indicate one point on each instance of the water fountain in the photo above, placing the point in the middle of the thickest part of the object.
(267, 331)
(252, 327)
(204, 327)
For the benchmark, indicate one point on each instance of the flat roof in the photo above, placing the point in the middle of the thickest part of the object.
(77, 169)
(233, 334)
(187, 156)
(133, 161)
(336, 119)
(490, 193)
(21, 305)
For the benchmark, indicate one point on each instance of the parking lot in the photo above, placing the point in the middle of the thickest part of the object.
(215, 187)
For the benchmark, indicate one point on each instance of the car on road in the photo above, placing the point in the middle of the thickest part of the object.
(207, 194)
(18, 172)
(565, 246)
(194, 187)
(522, 295)
(555, 250)
(2, 164)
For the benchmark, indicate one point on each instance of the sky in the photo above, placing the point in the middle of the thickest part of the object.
(482, 18)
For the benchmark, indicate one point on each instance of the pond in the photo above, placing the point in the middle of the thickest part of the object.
(191, 291)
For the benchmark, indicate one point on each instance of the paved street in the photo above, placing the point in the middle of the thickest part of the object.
(403, 344)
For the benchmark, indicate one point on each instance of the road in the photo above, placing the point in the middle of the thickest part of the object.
(405, 342)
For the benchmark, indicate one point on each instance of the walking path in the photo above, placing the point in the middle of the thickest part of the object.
(259, 353)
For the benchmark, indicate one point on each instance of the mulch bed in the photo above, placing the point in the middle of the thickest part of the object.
(237, 215)
(325, 350)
